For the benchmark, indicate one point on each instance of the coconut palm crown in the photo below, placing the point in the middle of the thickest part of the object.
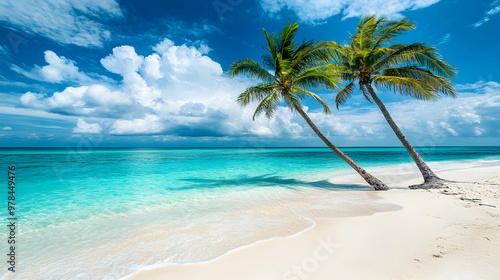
(294, 70)
(297, 68)
(372, 58)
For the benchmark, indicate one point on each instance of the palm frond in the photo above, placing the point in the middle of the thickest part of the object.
(440, 85)
(286, 44)
(344, 94)
(317, 78)
(268, 106)
(406, 86)
(417, 54)
(251, 68)
(255, 94)
(271, 59)
(391, 29)
(429, 58)
(292, 103)
(298, 68)
(316, 97)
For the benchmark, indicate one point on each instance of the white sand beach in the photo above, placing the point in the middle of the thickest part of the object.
(439, 234)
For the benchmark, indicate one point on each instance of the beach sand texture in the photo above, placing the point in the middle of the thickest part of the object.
(451, 233)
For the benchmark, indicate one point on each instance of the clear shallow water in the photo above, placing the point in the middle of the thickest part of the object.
(102, 213)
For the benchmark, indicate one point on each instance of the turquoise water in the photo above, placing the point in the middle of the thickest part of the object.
(76, 207)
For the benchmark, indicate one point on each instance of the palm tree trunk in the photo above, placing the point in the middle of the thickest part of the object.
(370, 179)
(427, 173)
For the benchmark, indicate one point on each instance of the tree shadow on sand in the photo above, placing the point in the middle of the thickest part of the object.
(267, 181)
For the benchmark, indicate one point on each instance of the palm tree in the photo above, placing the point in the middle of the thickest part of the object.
(296, 68)
(415, 70)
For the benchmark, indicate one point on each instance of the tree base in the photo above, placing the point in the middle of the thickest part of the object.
(433, 183)
(376, 184)
(380, 187)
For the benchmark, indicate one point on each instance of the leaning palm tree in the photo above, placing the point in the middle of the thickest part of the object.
(416, 70)
(297, 69)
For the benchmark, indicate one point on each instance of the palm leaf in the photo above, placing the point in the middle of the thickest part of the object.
(251, 68)
(297, 69)
(316, 97)
(255, 94)
(439, 84)
(406, 86)
(268, 106)
(344, 94)
(391, 29)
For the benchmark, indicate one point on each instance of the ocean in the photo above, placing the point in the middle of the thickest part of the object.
(104, 213)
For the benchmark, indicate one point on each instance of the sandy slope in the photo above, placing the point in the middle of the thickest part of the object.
(435, 236)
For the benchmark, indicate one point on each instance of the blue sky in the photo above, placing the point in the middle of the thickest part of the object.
(153, 73)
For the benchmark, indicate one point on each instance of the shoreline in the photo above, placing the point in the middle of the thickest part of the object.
(285, 253)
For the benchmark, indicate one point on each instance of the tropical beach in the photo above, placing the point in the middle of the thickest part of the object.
(436, 234)
(253, 140)
(231, 210)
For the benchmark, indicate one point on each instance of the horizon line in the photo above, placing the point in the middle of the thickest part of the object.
(236, 147)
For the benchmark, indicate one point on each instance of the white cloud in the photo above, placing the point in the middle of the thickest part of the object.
(176, 92)
(478, 86)
(488, 14)
(35, 113)
(150, 124)
(163, 46)
(97, 100)
(445, 38)
(33, 100)
(66, 22)
(479, 131)
(58, 69)
(87, 128)
(65, 101)
(314, 11)
(123, 61)
(262, 131)
(424, 122)
(102, 96)
(448, 128)
(367, 130)
(152, 66)
(476, 104)
(70, 97)
(307, 11)
(202, 47)
(7, 128)
(33, 136)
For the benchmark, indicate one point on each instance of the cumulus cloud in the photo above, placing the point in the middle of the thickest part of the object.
(58, 69)
(474, 113)
(66, 22)
(177, 92)
(310, 11)
(87, 128)
(476, 106)
(150, 124)
(123, 61)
